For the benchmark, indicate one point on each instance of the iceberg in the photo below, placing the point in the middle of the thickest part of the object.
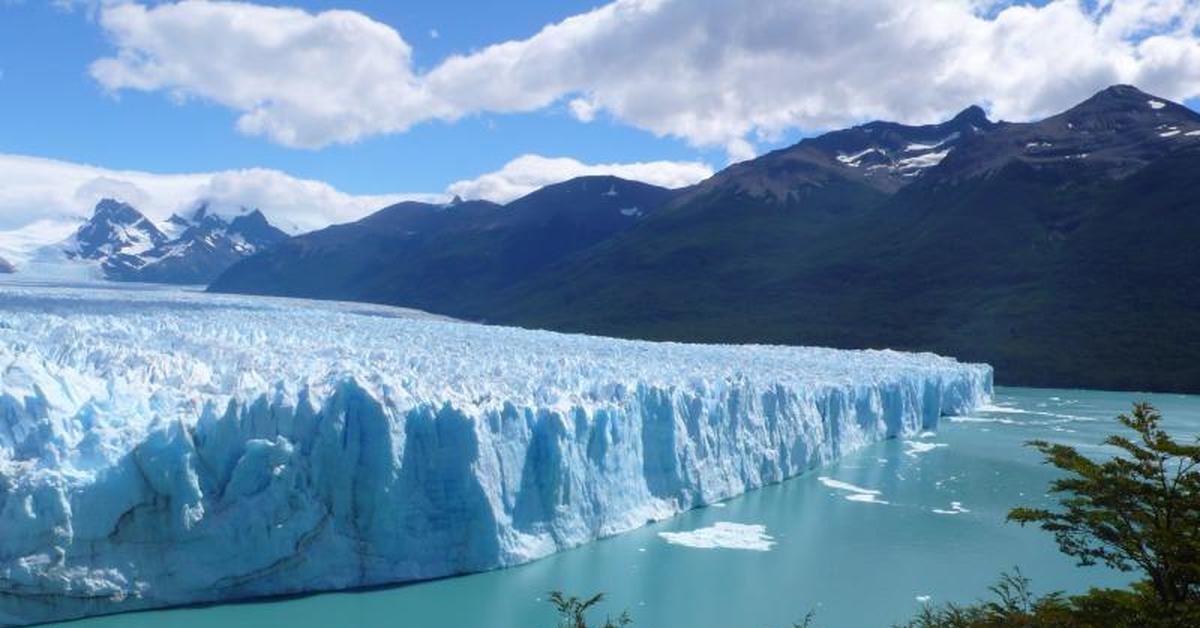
(163, 447)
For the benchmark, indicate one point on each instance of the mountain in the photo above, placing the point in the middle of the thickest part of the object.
(207, 245)
(6, 267)
(116, 234)
(448, 258)
(1061, 251)
(127, 246)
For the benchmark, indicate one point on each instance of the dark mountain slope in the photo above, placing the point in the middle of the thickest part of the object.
(207, 246)
(1058, 272)
(1064, 252)
(447, 258)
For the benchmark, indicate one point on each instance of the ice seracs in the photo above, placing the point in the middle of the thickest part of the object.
(166, 447)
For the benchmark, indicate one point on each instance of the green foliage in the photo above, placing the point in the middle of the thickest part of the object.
(572, 611)
(1013, 605)
(1139, 510)
(807, 622)
(1053, 284)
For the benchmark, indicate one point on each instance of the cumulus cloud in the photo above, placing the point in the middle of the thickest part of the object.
(710, 72)
(302, 80)
(43, 200)
(530, 172)
(34, 189)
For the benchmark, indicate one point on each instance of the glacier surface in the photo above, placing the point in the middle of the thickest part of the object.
(164, 447)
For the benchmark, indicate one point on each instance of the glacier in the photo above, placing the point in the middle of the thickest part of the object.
(165, 447)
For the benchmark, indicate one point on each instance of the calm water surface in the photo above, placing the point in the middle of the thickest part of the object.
(855, 563)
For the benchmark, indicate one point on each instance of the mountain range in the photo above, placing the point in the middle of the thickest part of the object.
(1063, 251)
(192, 249)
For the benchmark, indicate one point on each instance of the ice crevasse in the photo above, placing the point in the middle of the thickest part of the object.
(166, 447)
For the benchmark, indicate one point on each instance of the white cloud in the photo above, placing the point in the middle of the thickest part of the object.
(43, 200)
(708, 71)
(302, 80)
(583, 109)
(530, 172)
(34, 189)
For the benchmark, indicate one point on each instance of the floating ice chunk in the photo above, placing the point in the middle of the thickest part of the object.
(845, 486)
(631, 211)
(956, 508)
(979, 419)
(724, 535)
(914, 448)
(1172, 133)
(1008, 410)
(866, 498)
(857, 493)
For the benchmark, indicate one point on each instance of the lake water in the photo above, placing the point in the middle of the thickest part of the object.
(934, 530)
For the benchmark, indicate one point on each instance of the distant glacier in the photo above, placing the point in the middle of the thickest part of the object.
(165, 447)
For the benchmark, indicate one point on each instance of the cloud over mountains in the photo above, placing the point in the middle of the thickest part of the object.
(712, 72)
(58, 194)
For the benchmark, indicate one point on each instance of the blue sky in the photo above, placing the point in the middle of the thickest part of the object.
(319, 111)
(45, 53)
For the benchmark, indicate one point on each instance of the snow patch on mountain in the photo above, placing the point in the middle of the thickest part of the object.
(853, 160)
(162, 447)
(912, 166)
(917, 147)
(120, 243)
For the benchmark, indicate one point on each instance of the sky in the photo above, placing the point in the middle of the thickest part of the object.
(320, 111)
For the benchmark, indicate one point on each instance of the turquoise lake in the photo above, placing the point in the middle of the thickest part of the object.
(934, 531)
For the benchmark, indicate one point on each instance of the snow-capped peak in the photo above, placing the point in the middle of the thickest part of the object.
(114, 228)
(119, 242)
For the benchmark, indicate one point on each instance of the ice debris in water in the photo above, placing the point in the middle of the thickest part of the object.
(170, 447)
(724, 534)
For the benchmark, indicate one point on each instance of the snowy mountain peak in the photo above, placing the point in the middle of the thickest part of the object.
(194, 249)
(888, 154)
(114, 228)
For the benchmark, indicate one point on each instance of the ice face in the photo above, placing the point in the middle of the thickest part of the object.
(164, 447)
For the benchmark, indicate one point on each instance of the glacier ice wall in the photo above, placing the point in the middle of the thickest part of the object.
(161, 447)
